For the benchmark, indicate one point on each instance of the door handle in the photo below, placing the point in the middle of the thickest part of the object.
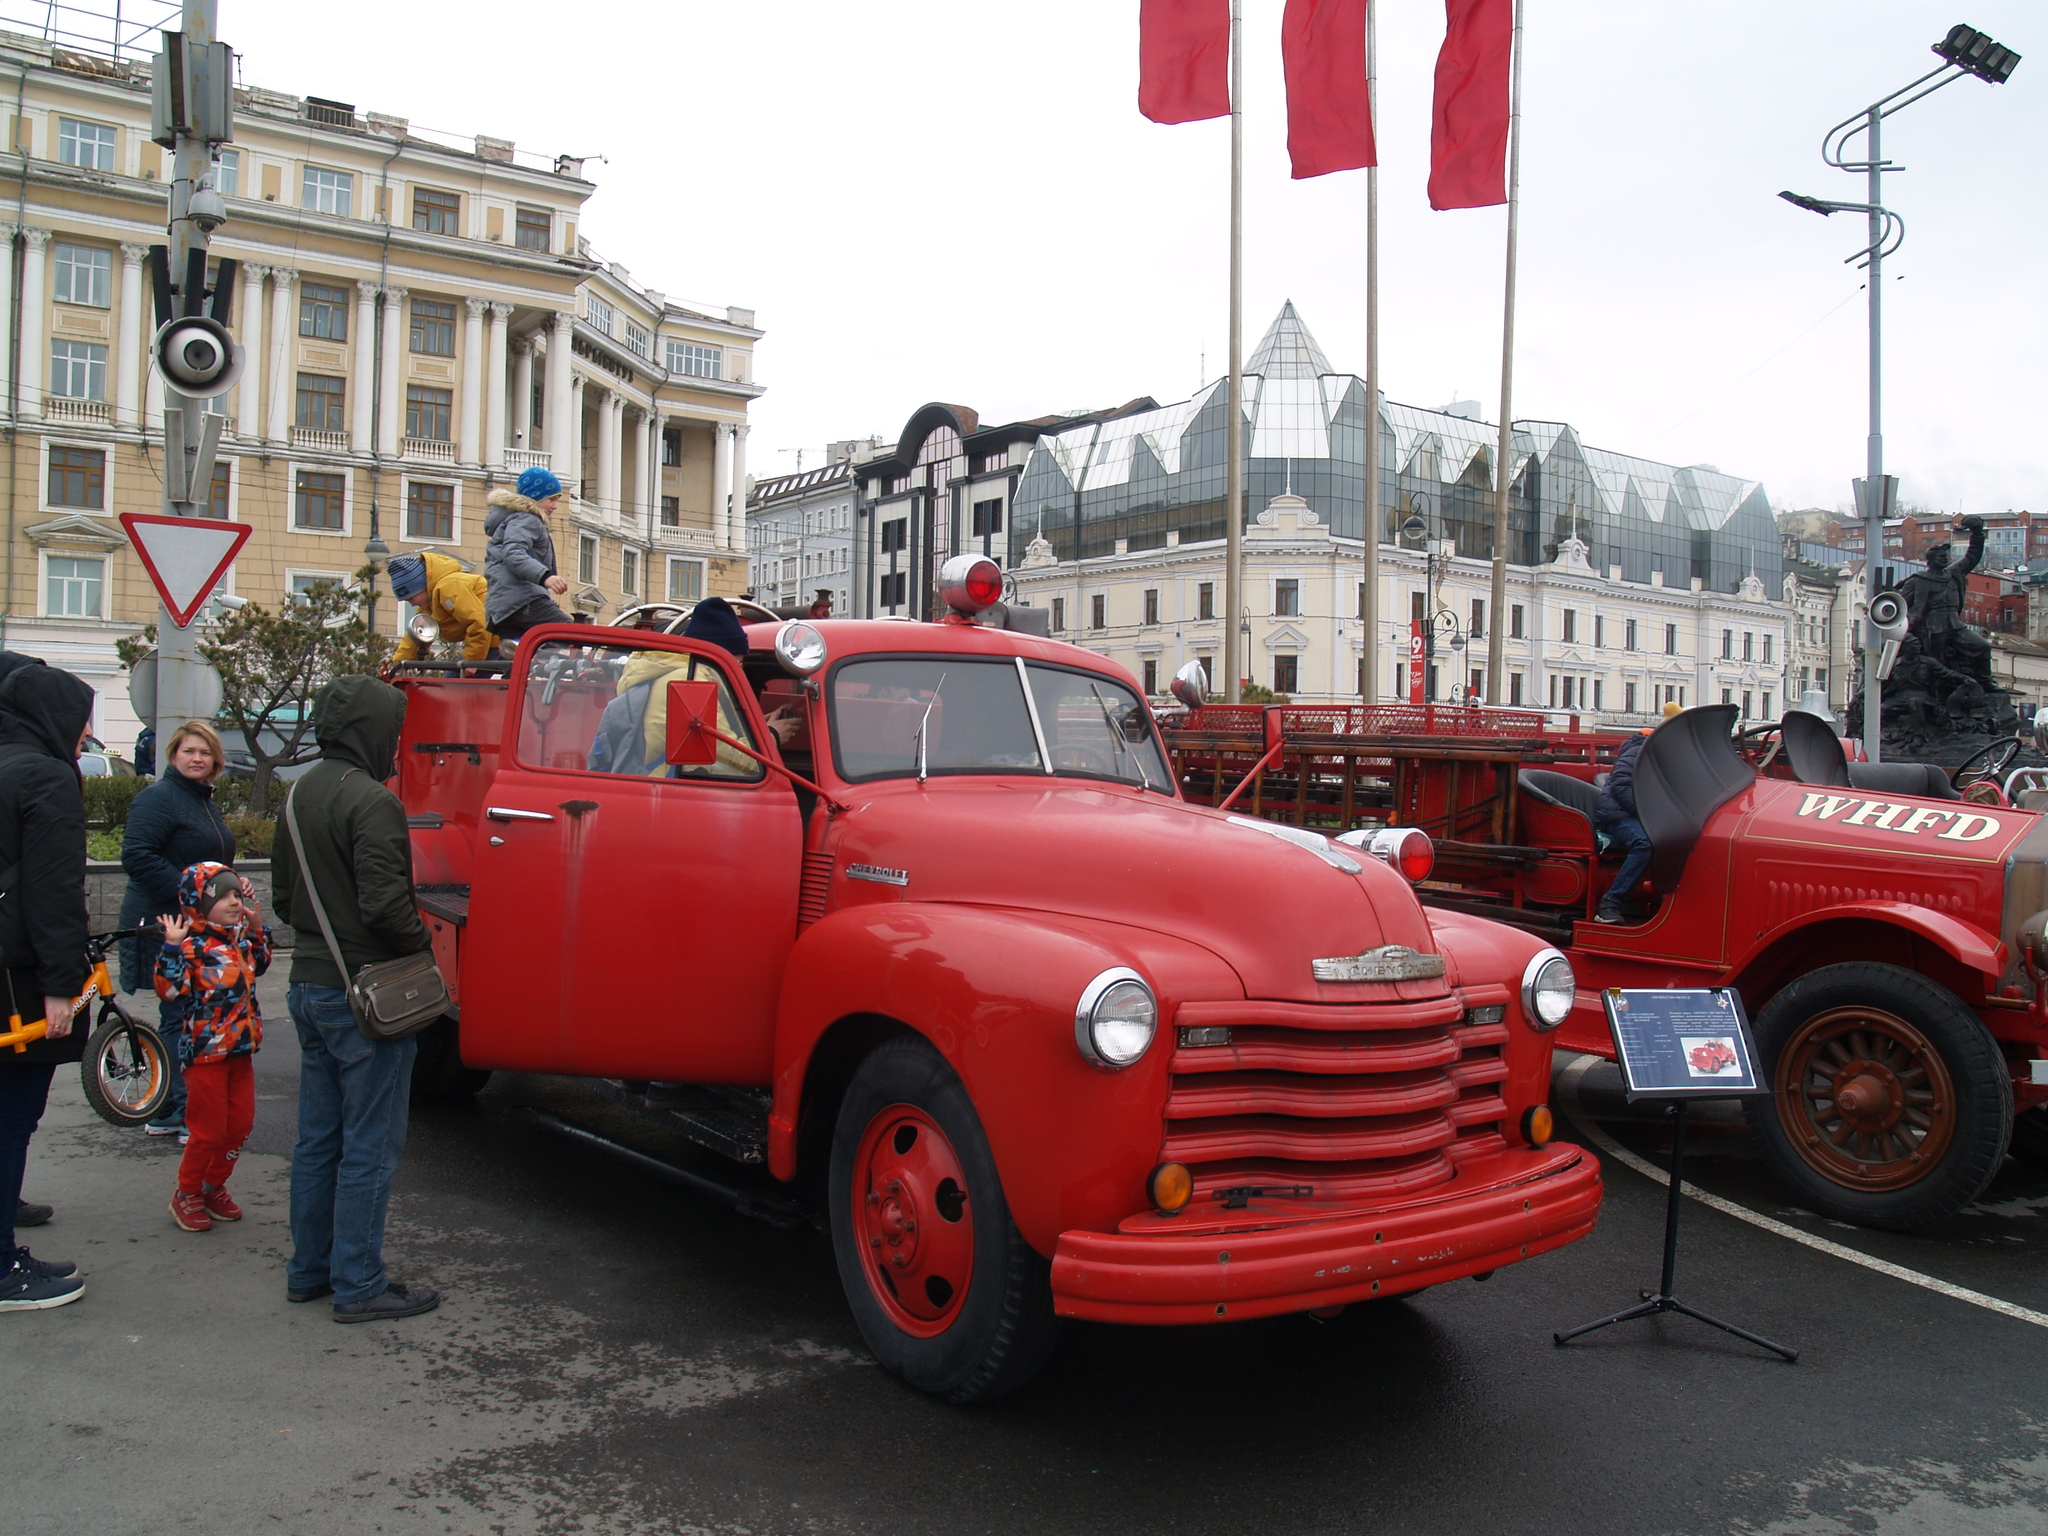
(506, 813)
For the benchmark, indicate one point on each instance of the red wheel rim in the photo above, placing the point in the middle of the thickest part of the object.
(1866, 1099)
(911, 1220)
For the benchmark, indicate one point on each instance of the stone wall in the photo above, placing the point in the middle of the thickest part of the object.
(106, 883)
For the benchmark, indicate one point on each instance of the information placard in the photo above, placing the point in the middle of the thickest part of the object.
(1683, 1043)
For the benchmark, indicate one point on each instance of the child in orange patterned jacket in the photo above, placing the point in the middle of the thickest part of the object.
(213, 951)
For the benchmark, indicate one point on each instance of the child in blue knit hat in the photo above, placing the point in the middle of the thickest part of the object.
(519, 559)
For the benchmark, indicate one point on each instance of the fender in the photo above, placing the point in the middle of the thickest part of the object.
(994, 990)
(1962, 941)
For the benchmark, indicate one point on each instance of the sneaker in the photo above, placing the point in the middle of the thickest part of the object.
(23, 1290)
(308, 1293)
(49, 1269)
(184, 1136)
(189, 1212)
(164, 1128)
(396, 1301)
(28, 1214)
(220, 1205)
(1607, 915)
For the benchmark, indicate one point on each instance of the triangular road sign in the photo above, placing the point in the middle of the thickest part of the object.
(185, 556)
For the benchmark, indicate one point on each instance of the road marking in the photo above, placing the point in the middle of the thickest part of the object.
(1568, 1086)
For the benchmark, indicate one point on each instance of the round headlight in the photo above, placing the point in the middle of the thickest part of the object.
(1115, 1020)
(1548, 990)
(800, 649)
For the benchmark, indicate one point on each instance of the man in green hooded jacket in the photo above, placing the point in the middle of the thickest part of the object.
(353, 1090)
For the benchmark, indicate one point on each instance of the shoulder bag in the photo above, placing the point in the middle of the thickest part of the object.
(391, 999)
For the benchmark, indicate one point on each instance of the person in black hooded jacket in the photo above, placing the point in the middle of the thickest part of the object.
(44, 716)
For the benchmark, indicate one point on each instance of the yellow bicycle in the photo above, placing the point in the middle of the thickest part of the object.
(126, 1070)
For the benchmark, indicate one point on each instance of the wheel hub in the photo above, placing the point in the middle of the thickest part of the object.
(1869, 1096)
(911, 1220)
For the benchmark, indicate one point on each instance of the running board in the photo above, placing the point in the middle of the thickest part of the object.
(784, 1215)
(733, 1122)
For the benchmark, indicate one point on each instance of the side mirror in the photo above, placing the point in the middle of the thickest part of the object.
(692, 717)
(1191, 685)
(1273, 728)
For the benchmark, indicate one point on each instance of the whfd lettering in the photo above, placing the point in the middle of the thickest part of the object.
(1886, 816)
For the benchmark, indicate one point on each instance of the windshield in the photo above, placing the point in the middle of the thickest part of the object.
(901, 716)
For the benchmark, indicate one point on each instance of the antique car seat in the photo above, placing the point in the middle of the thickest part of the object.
(1688, 770)
(1567, 808)
(1815, 755)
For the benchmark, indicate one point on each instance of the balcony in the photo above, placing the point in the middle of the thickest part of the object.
(669, 537)
(528, 458)
(319, 441)
(64, 408)
(431, 449)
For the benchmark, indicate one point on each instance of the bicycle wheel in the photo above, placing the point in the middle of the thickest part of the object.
(126, 1073)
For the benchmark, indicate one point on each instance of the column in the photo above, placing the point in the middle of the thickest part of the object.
(132, 362)
(736, 519)
(644, 471)
(362, 381)
(610, 410)
(564, 422)
(522, 392)
(567, 460)
(494, 388)
(278, 426)
(35, 348)
(391, 385)
(469, 443)
(248, 410)
(721, 484)
(7, 233)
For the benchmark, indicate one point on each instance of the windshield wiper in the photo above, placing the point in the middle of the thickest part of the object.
(1116, 735)
(923, 721)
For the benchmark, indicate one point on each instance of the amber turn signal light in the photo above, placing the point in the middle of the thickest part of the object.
(1170, 1187)
(1538, 1125)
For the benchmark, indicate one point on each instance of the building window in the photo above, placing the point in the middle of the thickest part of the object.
(303, 583)
(1746, 698)
(895, 533)
(328, 191)
(227, 172)
(988, 518)
(78, 477)
(685, 580)
(323, 311)
(1287, 599)
(320, 402)
(636, 339)
(1151, 676)
(429, 511)
(586, 559)
(1515, 689)
(437, 213)
(1749, 645)
(86, 144)
(1670, 639)
(1151, 607)
(1205, 600)
(598, 313)
(629, 571)
(895, 590)
(700, 362)
(78, 370)
(1098, 606)
(427, 411)
(1628, 698)
(1727, 647)
(671, 450)
(1599, 688)
(318, 501)
(1820, 678)
(1286, 672)
(433, 328)
(1571, 625)
(80, 274)
(531, 228)
(1768, 699)
(72, 586)
(1553, 691)
(1059, 615)
(1478, 627)
(1515, 621)
(1767, 661)
(1418, 608)
(1727, 696)
(1599, 631)
(217, 499)
(1628, 635)
(671, 512)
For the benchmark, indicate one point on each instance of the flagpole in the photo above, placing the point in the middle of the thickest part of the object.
(1233, 516)
(1496, 646)
(1369, 603)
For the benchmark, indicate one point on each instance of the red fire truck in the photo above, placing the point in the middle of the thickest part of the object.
(1885, 933)
(1049, 1041)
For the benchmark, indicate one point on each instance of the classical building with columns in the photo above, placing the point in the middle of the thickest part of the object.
(422, 320)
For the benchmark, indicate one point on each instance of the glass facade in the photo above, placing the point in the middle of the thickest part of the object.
(1134, 480)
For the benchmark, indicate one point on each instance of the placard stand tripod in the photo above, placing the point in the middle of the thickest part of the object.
(1661, 1300)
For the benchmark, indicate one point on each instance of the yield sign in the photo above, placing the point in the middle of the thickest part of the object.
(185, 556)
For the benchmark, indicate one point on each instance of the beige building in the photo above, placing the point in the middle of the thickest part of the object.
(422, 321)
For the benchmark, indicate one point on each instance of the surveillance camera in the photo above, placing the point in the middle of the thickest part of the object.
(206, 208)
(197, 356)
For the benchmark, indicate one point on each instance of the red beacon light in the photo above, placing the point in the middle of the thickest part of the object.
(1407, 849)
(968, 584)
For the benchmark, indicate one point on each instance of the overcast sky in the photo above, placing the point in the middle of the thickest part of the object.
(957, 200)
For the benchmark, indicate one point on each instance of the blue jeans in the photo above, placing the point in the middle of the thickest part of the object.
(353, 1095)
(1630, 834)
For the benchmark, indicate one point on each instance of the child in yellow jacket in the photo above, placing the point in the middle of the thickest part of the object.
(437, 585)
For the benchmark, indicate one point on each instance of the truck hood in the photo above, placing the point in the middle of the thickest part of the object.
(1265, 905)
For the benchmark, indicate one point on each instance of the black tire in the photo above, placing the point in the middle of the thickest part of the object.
(126, 1077)
(1934, 1109)
(437, 1069)
(998, 1336)
(2030, 1136)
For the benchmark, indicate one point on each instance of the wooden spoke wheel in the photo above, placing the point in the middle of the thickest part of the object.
(1867, 1096)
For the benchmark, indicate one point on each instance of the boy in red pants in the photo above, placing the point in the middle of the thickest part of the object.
(213, 951)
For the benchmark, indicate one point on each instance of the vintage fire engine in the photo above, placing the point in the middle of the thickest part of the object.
(1049, 1041)
(1886, 935)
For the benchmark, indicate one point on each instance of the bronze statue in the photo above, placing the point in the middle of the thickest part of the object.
(1934, 607)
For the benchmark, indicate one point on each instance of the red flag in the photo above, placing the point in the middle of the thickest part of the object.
(1329, 116)
(1183, 59)
(1468, 139)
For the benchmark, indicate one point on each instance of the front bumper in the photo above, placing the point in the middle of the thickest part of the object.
(1209, 1267)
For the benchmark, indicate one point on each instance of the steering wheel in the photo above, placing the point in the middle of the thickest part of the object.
(1988, 761)
(1086, 759)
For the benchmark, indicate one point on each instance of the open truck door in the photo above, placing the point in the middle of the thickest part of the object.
(630, 914)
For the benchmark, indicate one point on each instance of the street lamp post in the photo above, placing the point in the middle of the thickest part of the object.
(1440, 619)
(1964, 52)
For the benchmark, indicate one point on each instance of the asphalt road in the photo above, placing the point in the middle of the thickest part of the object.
(618, 1355)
